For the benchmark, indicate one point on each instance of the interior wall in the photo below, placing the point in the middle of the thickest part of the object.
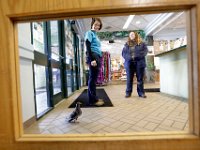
(174, 73)
(11, 136)
(26, 71)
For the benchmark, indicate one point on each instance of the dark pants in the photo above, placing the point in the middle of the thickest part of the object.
(93, 76)
(131, 69)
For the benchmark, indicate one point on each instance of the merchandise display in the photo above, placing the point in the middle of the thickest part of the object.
(105, 71)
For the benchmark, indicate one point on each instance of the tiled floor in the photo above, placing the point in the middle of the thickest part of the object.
(158, 112)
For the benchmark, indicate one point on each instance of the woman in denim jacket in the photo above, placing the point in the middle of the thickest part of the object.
(134, 53)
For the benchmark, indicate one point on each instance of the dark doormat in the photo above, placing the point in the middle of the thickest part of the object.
(83, 98)
(152, 90)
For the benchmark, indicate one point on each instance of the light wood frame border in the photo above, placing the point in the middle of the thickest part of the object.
(71, 137)
(12, 90)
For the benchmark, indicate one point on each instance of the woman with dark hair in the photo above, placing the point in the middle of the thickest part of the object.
(134, 53)
(94, 54)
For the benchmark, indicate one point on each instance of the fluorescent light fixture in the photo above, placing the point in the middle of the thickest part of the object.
(168, 22)
(128, 21)
(157, 22)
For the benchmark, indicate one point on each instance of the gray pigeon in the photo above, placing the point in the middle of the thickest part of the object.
(76, 113)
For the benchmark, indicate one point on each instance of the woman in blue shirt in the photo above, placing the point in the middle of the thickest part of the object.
(94, 54)
(134, 53)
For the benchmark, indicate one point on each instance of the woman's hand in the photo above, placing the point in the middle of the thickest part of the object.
(94, 63)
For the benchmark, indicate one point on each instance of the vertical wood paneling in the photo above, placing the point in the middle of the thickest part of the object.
(197, 74)
(9, 75)
(190, 69)
(5, 85)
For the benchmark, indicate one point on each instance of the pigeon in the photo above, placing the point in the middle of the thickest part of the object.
(76, 113)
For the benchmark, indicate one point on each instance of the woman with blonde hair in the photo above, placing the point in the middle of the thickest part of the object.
(134, 52)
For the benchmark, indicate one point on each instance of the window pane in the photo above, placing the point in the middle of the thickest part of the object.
(75, 83)
(38, 37)
(56, 81)
(69, 82)
(68, 43)
(54, 40)
(40, 88)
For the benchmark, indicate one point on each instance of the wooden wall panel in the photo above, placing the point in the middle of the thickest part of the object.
(21, 9)
(197, 75)
(6, 126)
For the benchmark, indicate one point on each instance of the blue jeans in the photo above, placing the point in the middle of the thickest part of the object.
(131, 69)
(93, 76)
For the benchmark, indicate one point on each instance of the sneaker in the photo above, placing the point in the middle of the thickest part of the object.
(143, 96)
(100, 102)
(127, 95)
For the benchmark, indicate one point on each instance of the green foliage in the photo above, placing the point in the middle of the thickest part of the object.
(150, 66)
(150, 63)
(118, 34)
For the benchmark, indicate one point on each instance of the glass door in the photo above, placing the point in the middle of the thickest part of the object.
(56, 63)
(69, 55)
(41, 89)
(40, 66)
(56, 57)
(76, 63)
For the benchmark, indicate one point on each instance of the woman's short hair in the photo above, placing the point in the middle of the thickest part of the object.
(96, 19)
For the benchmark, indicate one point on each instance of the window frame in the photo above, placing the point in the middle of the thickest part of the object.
(193, 72)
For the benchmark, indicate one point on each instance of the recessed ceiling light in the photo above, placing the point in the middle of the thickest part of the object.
(137, 22)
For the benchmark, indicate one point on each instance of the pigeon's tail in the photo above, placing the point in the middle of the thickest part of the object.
(71, 119)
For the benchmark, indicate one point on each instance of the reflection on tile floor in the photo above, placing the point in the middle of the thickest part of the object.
(158, 112)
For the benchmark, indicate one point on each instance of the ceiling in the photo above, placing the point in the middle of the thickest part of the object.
(173, 23)
(162, 26)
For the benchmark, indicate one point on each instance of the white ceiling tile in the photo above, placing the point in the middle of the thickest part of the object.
(115, 23)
